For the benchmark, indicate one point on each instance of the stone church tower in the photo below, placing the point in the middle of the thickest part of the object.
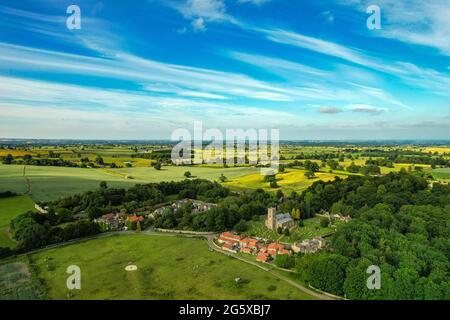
(271, 221)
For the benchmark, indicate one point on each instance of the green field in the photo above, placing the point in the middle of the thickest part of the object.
(168, 268)
(9, 209)
(49, 183)
(441, 173)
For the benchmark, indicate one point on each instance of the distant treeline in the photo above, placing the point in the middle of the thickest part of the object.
(55, 161)
(321, 156)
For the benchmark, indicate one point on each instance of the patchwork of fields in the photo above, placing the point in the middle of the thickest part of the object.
(49, 183)
(168, 268)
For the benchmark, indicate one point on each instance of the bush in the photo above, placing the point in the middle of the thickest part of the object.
(324, 222)
(241, 226)
(5, 252)
(7, 194)
(285, 261)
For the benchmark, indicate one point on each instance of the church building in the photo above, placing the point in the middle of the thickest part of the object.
(275, 221)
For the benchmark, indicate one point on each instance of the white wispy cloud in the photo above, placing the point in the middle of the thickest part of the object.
(201, 12)
(418, 22)
(328, 16)
(365, 108)
(256, 2)
(95, 34)
(276, 64)
(344, 83)
(137, 69)
(63, 110)
(411, 74)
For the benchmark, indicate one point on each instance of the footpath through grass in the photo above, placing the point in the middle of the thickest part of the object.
(168, 268)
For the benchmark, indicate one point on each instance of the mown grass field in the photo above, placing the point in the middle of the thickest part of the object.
(290, 180)
(49, 183)
(168, 268)
(9, 209)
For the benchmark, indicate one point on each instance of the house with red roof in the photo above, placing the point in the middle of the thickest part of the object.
(229, 247)
(243, 243)
(262, 257)
(228, 237)
(274, 248)
(252, 244)
(135, 218)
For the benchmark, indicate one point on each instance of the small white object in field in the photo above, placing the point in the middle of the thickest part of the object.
(131, 267)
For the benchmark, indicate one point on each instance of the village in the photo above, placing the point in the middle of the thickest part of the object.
(266, 250)
(120, 221)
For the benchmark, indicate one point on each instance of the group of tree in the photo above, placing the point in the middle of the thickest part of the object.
(399, 224)
(232, 212)
(408, 156)
(55, 161)
(368, 169)
(34, 230)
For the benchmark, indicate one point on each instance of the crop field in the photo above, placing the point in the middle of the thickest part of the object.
(17, 281)
(439, 150)
(168, 268)
(9, 209)
(290, 180)
(49, 183)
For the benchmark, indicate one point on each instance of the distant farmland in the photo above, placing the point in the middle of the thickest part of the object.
(49, 183)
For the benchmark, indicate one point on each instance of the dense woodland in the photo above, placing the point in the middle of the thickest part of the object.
(399, 224)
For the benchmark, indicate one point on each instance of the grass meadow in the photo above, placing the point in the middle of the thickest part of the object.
(168, 268)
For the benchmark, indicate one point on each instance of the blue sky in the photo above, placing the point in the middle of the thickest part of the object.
(140, 69)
